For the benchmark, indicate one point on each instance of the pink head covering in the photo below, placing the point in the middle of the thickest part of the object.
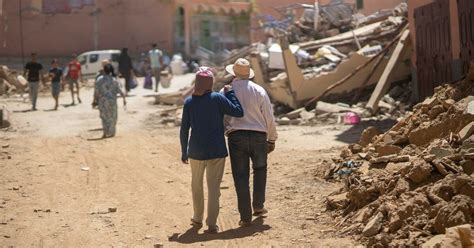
(204, 81)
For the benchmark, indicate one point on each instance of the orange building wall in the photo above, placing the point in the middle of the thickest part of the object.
(134, 24)
(121, 24)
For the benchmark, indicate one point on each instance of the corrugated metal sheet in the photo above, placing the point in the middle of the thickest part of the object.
(466, 30)
(433, 46)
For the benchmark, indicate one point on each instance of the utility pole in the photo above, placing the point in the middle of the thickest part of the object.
(20, 10)
(95, 14)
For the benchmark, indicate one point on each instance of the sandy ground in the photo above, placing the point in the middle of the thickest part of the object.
(58, 181)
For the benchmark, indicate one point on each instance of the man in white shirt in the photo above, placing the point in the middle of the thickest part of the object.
(156, 62)
(251, 137)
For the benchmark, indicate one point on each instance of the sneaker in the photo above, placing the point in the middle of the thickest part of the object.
(212, 229)
(196, 223)
(259, 211)
(245, 223)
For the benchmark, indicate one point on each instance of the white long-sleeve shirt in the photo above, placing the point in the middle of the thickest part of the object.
(258, 110)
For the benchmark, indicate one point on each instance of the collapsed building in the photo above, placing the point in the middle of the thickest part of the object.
(409, 184)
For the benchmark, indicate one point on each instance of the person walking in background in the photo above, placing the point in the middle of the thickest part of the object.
(156, 61)
(146, 69)
(250, 138)
(105, 97)
(204, 112)
(74, 76)
(101, 71)
(33, 74)
(56, 75)
(126, 68)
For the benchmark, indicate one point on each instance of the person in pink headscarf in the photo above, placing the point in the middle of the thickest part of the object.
(205, 150)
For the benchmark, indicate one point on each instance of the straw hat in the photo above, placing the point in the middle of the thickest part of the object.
(241, 69)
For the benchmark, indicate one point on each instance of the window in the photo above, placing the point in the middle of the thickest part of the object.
(82, 59)
(115, 57)
(93, 58)
(360, 4)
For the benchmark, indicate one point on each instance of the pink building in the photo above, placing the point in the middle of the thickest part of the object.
(175, 25)
(108, 24)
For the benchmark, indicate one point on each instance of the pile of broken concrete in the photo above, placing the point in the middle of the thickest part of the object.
(406, 185)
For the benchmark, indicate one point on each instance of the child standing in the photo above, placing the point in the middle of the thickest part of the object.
(56, 75)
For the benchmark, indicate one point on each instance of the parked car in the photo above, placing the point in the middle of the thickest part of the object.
(91, 62)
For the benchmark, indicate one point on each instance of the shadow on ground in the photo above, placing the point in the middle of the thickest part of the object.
(193, 236)
(23, 111)
(352, 135)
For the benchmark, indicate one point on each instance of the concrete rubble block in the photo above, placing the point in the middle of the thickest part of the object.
(400, 159)
(383, 159)
(448, 103)
(390, 158)
(459, 236)
(287, 121)
(362, 155)
(345, 153)
(387, 139)
(434, 242)
(307, 115)
(396, 167)
(294, 114)
(464, 185)
(468, 145)
(466, 132)
(420, 171)
(435, 111)
(337, 202)
(470, 108)
(373, 226)
(438, 129)
(323, 107)
(355, 148)
(430, 102)
(367, 135)
(460, 210)
(439, 167)
(384, 150)
(402, 186)
(441, 151)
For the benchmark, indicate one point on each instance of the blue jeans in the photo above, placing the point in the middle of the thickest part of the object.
(33, 92)
(243, 147)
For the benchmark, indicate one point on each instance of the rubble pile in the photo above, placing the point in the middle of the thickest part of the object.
(10, 81)
(393, 105)
(165, 118)
(414, 181)
(343, 64)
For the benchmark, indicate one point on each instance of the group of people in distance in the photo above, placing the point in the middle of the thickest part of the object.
(152, 67)
(243, 112)
(33, 73)
(106, 87)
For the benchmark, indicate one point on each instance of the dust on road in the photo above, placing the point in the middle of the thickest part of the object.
(61, 185)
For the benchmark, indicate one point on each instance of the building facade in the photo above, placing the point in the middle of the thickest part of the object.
(63, 27)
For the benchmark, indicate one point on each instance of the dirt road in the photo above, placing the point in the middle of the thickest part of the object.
(60, 186)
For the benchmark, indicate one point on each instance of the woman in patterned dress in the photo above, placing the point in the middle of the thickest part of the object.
(105, 97)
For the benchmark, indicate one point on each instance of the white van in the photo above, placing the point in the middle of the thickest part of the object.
(91, 62)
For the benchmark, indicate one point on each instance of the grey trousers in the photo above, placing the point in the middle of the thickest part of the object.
(33, 92)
